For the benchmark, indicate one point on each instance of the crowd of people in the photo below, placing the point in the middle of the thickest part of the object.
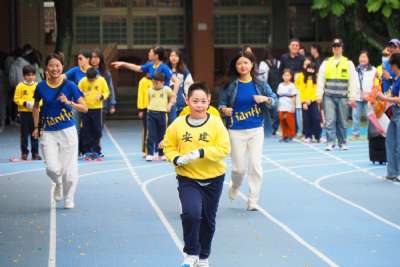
(302, 94)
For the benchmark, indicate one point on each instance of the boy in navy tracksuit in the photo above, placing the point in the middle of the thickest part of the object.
(161, 99)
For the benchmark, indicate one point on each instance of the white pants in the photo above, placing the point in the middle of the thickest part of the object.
(246, 153)
(60, 151)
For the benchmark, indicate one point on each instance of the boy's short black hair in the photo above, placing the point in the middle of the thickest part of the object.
(159, 76)
(91, 73)
(28, 69)
(198, 86)
(395, 60)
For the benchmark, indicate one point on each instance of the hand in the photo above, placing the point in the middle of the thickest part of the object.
(189, 157)
(117, 64)
(36, 133)
(141, 113)
(261, 99)
(386, 75)
(227, 111)
(111, 110)
(352, 103)
(305, 106)
(29, 104)
(63, 99)
(99, 97)
(380, 96)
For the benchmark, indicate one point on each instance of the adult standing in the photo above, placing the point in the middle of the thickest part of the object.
(59, 140)
(244, 101)
(367, 75)
(98, 62)
(156, 56)
(336, 88)
(292, 60)
(270, 73)
(316, 55)
(184, 77)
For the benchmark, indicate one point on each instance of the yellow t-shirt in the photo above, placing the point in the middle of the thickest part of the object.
(307, 90)
(143, 92)
(24, 93)
(211, 110)
(158, 99)
(92, 90)
(212, 136)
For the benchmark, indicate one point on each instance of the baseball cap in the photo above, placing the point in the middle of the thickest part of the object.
(394, 42)
(337, 42)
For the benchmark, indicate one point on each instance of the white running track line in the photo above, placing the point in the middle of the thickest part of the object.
(292, 233)
(310, 165)
(53, 231)
(153, 203)
(317, 185)
(376, 216)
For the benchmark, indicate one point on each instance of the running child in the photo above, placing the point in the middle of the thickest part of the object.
(23, 98)
(161, 99)
(287, 93)
(95, 90)
(197, 145)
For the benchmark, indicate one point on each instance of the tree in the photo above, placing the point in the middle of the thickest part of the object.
(65, 35)
(376, 20)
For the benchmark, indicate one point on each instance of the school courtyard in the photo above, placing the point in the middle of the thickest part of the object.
(317, 208)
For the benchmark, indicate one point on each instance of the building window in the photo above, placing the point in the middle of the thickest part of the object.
(171, 29)
(254, 29)
(87, 29)
(145, 30)
(115, 3)
(226, 29)
(301, 22)
(86, 3)
(114, 30)
(157, 3)
(50, 25)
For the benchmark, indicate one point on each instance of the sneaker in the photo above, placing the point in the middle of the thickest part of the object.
(88, 156)
(343, 147)
(99, 155)
(69, 204)
(329, 147)
(323, 139)
(24, 157)
(355, 137)
(149, 158)
(203, 263)
(390, 178)
(307, 140)
(190, 261)
(233, 192)
(57, 194)
(36, 157)
(163, 158)
(251, 205)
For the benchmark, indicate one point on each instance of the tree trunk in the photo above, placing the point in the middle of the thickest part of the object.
(64, 29)
(361, 23)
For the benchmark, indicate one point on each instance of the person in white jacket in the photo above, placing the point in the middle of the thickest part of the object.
(366, 81)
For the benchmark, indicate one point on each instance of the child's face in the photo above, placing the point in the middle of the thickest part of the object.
(30, 77)
(286, 77)
(158, 84)
(198, 103)
(95, 60)
(173, 58)
(54, 68)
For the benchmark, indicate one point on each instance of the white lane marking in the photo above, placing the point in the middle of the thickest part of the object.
(153, 203)
(53, 231)
(292, 233)
(310, 165)
(312, 158)
(317, 184)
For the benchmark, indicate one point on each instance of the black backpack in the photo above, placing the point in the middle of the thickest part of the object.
(274, 75)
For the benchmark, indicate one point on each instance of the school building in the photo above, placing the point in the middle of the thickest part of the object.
(209, 32)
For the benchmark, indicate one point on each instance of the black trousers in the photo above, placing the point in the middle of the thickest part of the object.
(90, 133)
(312, 121)
(26, 134)
(156, 127)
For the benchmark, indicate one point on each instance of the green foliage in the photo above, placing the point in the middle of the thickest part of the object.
(338, 7)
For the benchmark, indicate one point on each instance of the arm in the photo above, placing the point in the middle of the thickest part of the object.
(126, 65)
(187, 83)
(222, 145)
(354, 90)
(105, 92)
(170, 144)
(321, 82)
(171, 100)
(263, 69)
(175, 83)
(18, 97)
(223, 102)
(35, 115)
(112, 100)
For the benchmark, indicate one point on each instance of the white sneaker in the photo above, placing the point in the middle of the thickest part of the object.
(149, 158)
(251, 205)
(233, 192)
(163, 158)
(57, 194)
(203, 263)
(343, 147)
(329, 147)
(190, 261)
(69, 204)
(307, 141)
